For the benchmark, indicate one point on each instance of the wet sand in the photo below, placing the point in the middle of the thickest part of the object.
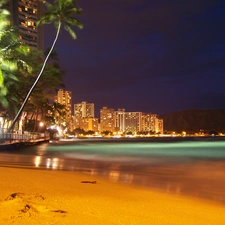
(203, 179)
(37, 196)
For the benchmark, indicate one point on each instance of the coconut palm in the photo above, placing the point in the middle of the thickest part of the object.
(61, 13)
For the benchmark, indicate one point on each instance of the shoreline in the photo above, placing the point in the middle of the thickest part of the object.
(201, 179)
(34, 196)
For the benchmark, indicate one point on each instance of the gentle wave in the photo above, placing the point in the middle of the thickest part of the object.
(139, 149)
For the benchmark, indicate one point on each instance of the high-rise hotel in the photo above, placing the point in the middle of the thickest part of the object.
(133, 122)
(129, 122)
(84, 109)
(65, 98)
(84, 117)
(107, 119)
(24, 16)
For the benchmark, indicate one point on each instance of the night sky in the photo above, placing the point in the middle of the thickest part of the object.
(155, 56)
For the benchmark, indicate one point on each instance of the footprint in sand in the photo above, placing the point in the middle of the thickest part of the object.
(21, 204)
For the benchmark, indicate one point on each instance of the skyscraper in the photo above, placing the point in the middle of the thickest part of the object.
(148, 122)
(119, 120)
(24, 15)
(84, 110)
(107, 119)
(65, 98)
(133, 121)
(159, 125)
(84, 117)
(152, 122)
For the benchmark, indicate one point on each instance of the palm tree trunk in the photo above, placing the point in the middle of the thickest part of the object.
(35, 121)
(36, 81)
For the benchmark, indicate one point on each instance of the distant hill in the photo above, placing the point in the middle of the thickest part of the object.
(195, 120)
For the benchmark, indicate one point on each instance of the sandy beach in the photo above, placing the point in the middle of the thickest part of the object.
(35, 196)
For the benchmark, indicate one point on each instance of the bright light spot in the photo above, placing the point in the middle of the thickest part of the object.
(55, 162)
(114, 175)
(37, 161)
(48, 164)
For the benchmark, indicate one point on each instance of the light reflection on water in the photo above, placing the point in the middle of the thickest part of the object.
(194, 168)
(49, 163)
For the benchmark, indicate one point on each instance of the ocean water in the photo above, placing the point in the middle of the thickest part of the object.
(189, 166)
(141, 150)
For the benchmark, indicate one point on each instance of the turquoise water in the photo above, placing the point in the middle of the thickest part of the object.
(140, 149)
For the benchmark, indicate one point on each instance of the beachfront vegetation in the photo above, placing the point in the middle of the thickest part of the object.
(19, 66)
(60, 13)
(11, 53)
(39, 102)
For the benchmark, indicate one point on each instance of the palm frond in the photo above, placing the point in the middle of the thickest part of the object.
(4, 102)
(73, 22)
(63, 4)
(70, 30)
(72, 11)
(56, 24)
(49, 6)
(12, 77)
(47, 18)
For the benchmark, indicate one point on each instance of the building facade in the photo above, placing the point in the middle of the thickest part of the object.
(87, 124)
(148, 122)
(152, 123)
(65, 98)
(159, 125)
(24, 16)
(119, 120)
(107, 119)
(84, 110)
(133, 122)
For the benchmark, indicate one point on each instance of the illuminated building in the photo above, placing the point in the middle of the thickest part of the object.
(84, 117)
(107, 119)
(148, 121)
(133, 122)
(65, 98)
(119, 120)
(83, 110)
(87, 124)
(159, 125)
(25, 14)
(151, 122)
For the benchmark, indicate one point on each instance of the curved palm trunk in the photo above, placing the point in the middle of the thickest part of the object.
(36, 81)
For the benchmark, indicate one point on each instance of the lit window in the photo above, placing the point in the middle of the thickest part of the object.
(29, 23)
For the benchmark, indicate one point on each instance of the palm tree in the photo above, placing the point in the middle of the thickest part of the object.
(61, 12)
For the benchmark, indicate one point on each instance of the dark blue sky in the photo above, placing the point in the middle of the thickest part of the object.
(155, 56)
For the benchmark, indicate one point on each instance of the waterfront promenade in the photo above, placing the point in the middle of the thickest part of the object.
(13, 138)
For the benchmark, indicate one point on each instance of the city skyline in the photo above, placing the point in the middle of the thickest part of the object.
(153, 56)
(113, 120)
(74, 107)
(82, 116)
